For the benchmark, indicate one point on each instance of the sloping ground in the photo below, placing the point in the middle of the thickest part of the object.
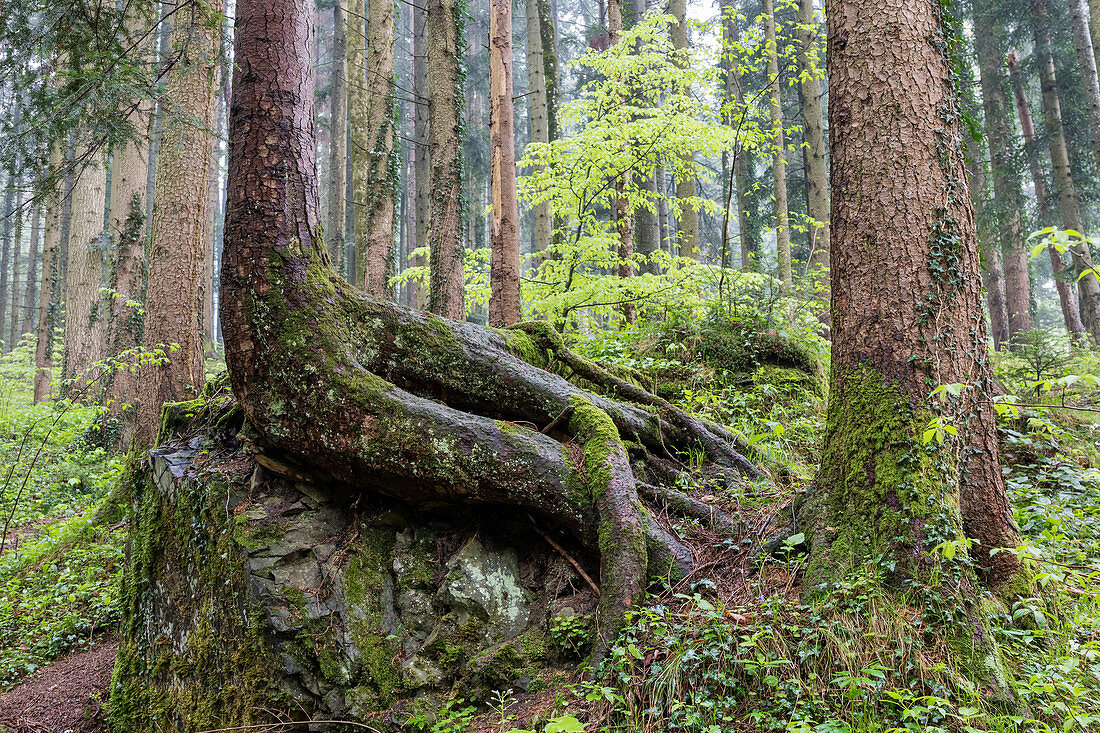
(68, 695)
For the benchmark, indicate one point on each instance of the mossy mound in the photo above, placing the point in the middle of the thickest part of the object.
(254, 592)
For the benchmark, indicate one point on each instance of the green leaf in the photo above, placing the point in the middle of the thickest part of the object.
(564, 724)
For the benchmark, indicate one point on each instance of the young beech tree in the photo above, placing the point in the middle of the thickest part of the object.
(410, 404)
(907, 316)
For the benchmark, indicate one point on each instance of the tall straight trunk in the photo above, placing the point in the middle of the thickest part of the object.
(213, 193)
(358, 140)
(338, 132)
(1008, 211)
(49, 307)
(813, 133)
(1067, 296)
(779, 149)
(1094, 29)
(380, 184)
(504, 298)
(10, 208)
(1082, 38)
(16, 249)
(538, 105)
(31, 290)
(422, 162)
(177, 250)
(624, 223)
(992, 272)
(85, 314)
(686, 188)
(1088, 286)
(446, 295)
(907, 315)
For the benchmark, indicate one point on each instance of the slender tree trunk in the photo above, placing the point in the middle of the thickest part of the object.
(1087, 284)
(16, 248)
(686, 188)
(1082, 37)
(85, 314)
(907, 315)
(1067, 296)
(446, 295)
(380, 185)
(504, 300)
(538, 107)
(422, 165)
(30, 292)
(338, 149)
(1008, 212)
(177, 251)
(624, 223)
(358, 138)
(49, 309)
(779, 150)
(817, 166)
(992, 273)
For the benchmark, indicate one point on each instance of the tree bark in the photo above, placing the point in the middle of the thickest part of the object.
(542, 80)
(687, 188)
(1008, 210)
(992, 273)
(338, 150)
(1088, 286)
(446, 294)
(817, 166)
(177, 250)
(1067, 297)
(49, 314)
(358, 138)
(31, 290)
(85, 313)
(380, 183)
(304, 354)
(779, 149)
(504, 299)
(423, 162)
(12, 304)
(907, 316)
(624, 222)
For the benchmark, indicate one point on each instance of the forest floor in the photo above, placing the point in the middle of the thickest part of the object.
(67, 695)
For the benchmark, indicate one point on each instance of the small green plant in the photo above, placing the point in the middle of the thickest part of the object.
(573, 634)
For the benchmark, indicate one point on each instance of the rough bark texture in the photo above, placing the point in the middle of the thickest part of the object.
(338, 131)
(779, 148)
(423, 161)
(377, 196)
(28, 313)
(542, 65)
(49, 309)
(1008, 207)
(907, 315)
(409, 404)
(687, 188)
(817, 166)
(358, 140)
(504, 300)
(1067, 296)
(1088, 287)
(177, 249)
(446, 295)
(85, 317)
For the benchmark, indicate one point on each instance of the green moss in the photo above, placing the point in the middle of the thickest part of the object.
(521, 345)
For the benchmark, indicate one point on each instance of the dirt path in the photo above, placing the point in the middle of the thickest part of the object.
(67, 695)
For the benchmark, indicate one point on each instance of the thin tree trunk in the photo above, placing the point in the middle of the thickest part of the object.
(1082, 37)
(538, 110)
(85, 315)
(779, 149)
(422, 162)
(1094, 28)
(16, 248)
(31, 289)
(1087, 284)
(623, 221)
(686, 188)
(48, 305)
(817, 166)
(338, 148)
(1008, 213)
(380, 185)
(446, 296)
(504, 300)
(358, 139)
(992, 272)
(1067, 296)
(177, 251)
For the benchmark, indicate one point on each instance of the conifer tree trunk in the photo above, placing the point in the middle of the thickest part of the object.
(1088, 287)
(85, 313)
(1008, 212)
(504, 300)
(685, 189)
(1082, 37)
(422, 164)
(177, 250)
(1067, 296)
(817, 166)
(31, 290)
(48, 306)
(16, 249)
(446, 295)
(542, 81)
(907, 316)
(338, 148)
(358, 138)
(779, 149)
(380, 184)
(992, 273)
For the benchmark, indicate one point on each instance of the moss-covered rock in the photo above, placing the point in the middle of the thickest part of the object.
(249, 593)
